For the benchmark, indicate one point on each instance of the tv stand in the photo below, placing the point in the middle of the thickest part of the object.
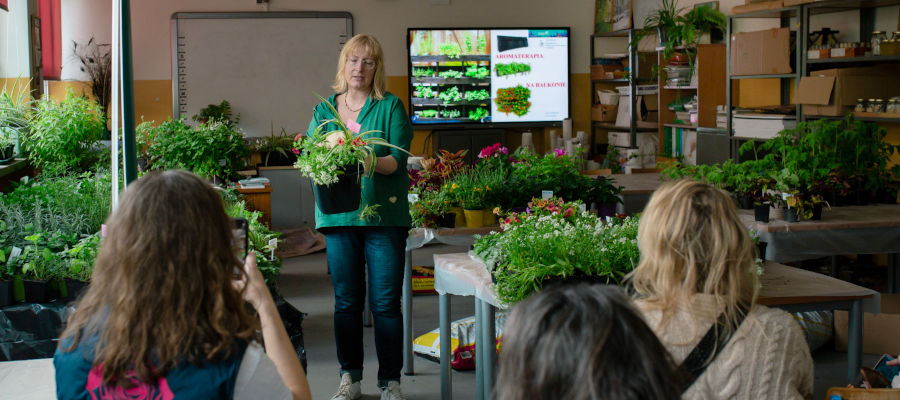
(470, 139)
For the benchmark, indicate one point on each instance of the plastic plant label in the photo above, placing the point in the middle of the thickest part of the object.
(15, 253)
(273, 243)
(546, 194)
(222, 162)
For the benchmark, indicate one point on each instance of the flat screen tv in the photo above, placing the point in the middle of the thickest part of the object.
(467, 77)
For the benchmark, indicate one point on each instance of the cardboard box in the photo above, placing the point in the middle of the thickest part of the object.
(757, 6)
(833, 92)
(847, 52)
(761, 52)
(818, 54)
(603, 112)
(879, 331)
(600, 71)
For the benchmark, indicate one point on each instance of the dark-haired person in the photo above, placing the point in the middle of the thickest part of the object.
(697, 268)
(165, 316)
(582, 342)
(375, 248)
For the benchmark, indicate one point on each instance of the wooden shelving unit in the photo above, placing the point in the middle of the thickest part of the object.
(709, 68)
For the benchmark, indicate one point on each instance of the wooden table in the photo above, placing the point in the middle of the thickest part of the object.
(785, 287)
(259, 200)
(637, 190)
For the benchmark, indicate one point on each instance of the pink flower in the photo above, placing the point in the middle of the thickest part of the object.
(559, 152)
(298, 137)
(297, 152)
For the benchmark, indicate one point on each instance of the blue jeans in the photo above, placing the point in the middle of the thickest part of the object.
(354, 252)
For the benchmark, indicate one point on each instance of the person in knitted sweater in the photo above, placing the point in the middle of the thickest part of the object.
(697, 264)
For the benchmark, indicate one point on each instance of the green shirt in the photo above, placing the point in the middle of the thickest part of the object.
(388, 116)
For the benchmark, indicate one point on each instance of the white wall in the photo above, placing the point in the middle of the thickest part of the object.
(14, 40)
(82, 19)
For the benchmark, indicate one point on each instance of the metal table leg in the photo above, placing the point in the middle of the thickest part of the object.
(407, 316)
(479, 347)
(488, 352)
(444, 317)
(854, 340)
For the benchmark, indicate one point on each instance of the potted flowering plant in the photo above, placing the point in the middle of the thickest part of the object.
(334, 160)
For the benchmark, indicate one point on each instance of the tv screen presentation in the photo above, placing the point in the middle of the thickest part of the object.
(488, 76)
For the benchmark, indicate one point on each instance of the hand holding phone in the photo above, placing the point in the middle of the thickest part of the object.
(240, 239)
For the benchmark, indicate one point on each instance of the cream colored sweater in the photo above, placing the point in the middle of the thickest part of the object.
(767, 358)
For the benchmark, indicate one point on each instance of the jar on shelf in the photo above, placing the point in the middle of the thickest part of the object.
(860, 105)
(896, 35)
(879, 106)
(870, 105)
(891, 107)
(877, 38)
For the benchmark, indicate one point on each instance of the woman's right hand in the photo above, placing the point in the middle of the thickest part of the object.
(256, 293)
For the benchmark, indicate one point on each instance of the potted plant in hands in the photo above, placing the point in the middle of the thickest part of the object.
(335, 160)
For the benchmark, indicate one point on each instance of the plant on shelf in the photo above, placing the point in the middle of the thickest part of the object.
(450, 49)
(96, 62)
(422, 72)
(677, 30)
(64, 136)
(450, 95)
(334, 148)
(217, 112)
(15, 107)
(478, 113)
(280, 146)
(477, 71)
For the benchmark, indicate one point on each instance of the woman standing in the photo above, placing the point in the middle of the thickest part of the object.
(374, 247)
(163, 317)
(696, 285)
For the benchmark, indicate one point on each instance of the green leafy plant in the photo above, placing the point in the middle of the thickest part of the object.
(515, 68)
(450, 49)
(273, 144)
(15, 107)
(450, 74)
(424, 91)
(212, 149)
(554, 240)
(260, 238)
(81, 258)
(450, 113)
(475, 95)
(217, 112)
(421, 72)
(323, 163)
(429, 113)
(477, 71)
(478, 113)
(64, 136)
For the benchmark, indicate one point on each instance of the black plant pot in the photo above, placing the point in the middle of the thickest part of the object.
(7, 154)
(761, 212)
(56, 289)
(761, 249)
(790, 215)
(75, 287)
(343, 195)
(816, 212)
(447, 220)
(606, 210)
(6, 296)
(35, 291)
(745, 202)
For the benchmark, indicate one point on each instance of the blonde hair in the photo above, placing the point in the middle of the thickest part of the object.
(691, 241)
(371, 46)
(161, 292)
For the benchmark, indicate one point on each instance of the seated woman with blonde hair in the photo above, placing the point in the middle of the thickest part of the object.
(696, 286)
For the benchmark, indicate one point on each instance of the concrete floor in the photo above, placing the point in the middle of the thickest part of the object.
(305, 283)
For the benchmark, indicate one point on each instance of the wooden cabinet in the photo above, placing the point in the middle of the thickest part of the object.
(709, 87)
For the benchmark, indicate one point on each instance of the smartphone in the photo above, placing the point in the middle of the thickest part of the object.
(239, 239)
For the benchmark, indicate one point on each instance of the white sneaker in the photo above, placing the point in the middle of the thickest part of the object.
(392, 392)
(348, 390)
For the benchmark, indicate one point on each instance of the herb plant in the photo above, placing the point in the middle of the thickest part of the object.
(478, 113)
(64, 135)
(450, 49)
(451, 95)
(504, 69)
(212, 149)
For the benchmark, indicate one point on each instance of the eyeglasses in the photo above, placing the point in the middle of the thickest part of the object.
(366, 62)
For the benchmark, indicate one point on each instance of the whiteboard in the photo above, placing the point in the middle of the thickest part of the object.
(268, 65)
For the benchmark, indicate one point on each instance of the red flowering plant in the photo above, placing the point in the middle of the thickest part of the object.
(324, 156)
(435, 172)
